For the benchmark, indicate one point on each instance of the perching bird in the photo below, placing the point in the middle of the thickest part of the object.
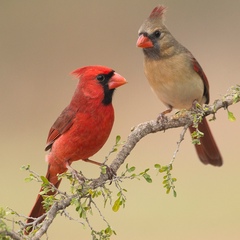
(176, 77)
(84, 125)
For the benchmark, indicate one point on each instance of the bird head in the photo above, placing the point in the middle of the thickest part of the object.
(98, 82)
(154, 36)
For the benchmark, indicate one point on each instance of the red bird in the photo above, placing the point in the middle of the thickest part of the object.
(84, 125)
(176, 77)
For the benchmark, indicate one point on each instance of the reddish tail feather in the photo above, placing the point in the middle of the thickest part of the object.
(38, 209)
(207, 151)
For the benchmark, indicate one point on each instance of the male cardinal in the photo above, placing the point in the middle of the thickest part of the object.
(84, 125)
(176, 77)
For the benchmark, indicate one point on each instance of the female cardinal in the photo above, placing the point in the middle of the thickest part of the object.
(84, 125)
(176, 77)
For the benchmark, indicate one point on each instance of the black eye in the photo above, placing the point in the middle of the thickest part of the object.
(157, 33)
(100, 78)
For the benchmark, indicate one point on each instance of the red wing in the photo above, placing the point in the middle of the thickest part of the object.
(61, 125)
(199, 70)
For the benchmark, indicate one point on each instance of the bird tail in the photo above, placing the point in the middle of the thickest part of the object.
(38, 209)
(207, 151)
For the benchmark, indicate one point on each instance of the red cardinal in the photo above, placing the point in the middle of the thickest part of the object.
(84, 125)
(176, 77)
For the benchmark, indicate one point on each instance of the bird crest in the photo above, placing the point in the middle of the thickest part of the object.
(158, 12)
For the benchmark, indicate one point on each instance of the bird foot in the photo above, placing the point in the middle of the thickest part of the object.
(196, 105)
(109, 171)
(162, 116)
(76, 175)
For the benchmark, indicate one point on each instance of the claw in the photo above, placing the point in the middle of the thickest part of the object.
(110, 172)
(162, 118)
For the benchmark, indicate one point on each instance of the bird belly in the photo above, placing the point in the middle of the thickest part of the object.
(175, 86)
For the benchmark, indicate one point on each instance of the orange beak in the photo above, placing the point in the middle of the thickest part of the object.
(144, 42)
(116, 81)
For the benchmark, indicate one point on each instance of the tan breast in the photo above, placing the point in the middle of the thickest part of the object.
(174, 81)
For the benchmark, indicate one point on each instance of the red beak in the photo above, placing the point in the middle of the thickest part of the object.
(144, 42)
(116, 81)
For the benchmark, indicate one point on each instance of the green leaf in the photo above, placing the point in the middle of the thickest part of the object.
(196, 141)
(103, 169)
(174, 193)
(44, 180)
(118, 138)
(157, 166)
(2, 212)
(231, 116)
(147, 177)
(116, 205)
(168, 190)
(163, 169)
(131, 169)
(165, 181)
(25, 167)
(30, 178)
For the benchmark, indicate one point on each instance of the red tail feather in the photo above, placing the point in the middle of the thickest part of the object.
(207, 151)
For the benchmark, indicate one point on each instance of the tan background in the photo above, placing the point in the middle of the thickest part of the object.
(42, 41)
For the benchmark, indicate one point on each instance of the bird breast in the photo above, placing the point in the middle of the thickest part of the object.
(174, 81)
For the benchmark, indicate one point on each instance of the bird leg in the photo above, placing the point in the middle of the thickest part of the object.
(196, 105)
(76, 175)
(93, 162)
(109, 171)
(162, 118)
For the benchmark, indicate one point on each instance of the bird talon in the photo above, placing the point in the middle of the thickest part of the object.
(161, 118)
(109, 171)
(76, 175)
(196, 105)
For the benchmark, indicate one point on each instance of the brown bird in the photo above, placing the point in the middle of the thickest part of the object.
(176, 77)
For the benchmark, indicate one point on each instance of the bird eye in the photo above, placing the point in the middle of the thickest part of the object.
(100, 78)
(157, 33)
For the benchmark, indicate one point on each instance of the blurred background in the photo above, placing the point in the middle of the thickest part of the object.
(41, 42)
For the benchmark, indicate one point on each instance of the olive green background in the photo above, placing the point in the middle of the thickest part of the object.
(41, 42)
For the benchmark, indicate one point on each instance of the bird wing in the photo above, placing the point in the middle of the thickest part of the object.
(61, 125)
(197, 68)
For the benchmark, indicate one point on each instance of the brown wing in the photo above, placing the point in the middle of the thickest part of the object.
(199, 70)
(61, 125)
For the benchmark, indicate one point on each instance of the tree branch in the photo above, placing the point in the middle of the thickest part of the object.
(183, 118)
(142, 130)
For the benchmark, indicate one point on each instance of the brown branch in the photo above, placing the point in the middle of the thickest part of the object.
(185, 118)
(140, 131)
(11, 234)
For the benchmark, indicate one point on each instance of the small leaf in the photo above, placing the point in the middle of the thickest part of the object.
(165, 181)
(163, 169)
(174, 193)
(157, 166)
(28, 179)
(131, 169)
(114, 150)
(116, 205)
(168, 190)
(231, 116)
(44, 180)
(25, 167)
(103, 169)
(118, 138)
(147, 177)
(196, 142)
